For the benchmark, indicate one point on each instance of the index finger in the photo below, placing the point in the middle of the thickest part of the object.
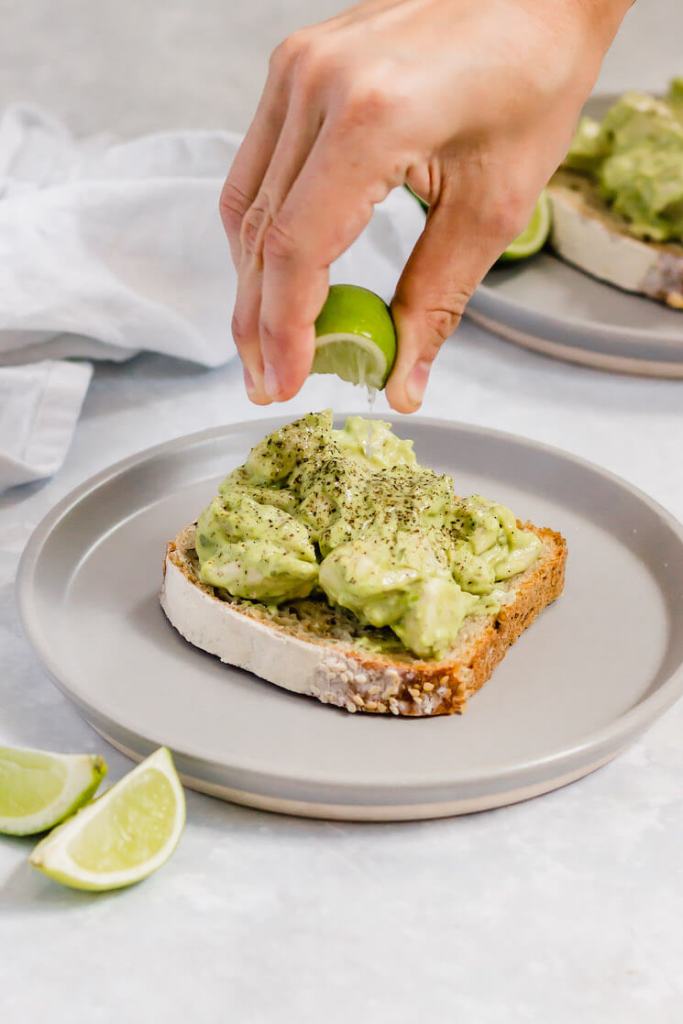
(329, 204)
(252, 159)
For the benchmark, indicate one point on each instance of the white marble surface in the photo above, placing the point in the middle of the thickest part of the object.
(565, 908)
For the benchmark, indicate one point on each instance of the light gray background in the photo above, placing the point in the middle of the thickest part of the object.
(141, 65)
(562, 909)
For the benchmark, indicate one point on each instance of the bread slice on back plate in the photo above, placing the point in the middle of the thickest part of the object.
(588, 234)
(311, 648)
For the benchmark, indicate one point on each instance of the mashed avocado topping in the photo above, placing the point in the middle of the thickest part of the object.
(635, 156)
(350, 513)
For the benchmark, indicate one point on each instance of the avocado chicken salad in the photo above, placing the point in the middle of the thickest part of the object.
(350, 518)
(635, 157)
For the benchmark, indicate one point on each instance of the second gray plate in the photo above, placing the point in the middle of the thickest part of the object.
(546, 305)
(551, 307)
(589, 676)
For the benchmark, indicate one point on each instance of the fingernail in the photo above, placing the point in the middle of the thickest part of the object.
(248, 381)
(270, 382)
(416, 381)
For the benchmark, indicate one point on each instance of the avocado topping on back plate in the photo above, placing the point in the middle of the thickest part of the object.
(635, 156)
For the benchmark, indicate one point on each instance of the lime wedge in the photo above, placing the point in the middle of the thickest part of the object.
(39, 789)
(531, 240)
(122, 837)
(355, 337)
(534, 236)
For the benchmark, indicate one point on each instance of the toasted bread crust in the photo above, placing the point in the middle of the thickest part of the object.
(336, 672)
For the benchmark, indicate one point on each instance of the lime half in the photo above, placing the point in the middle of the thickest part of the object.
(39, 789)
(534, 236)
(355, 337)
(124, 836)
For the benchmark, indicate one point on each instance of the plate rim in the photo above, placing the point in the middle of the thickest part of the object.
(615, 734)
(578, 355)
(539, 322)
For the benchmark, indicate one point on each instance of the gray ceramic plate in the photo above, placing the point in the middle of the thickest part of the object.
(590, 675)
(547, 305)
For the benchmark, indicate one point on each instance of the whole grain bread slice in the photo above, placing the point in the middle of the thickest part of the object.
(588, 234)
(310, 648)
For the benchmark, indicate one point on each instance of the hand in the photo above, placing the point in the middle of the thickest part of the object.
(472, 104)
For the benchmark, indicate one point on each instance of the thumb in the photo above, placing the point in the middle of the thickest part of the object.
(458, 245)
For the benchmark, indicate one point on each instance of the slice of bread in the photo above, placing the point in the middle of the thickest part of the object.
(310, 648)
(586, 233)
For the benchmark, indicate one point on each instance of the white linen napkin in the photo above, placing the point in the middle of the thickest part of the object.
(39, 406)
(108, 248)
